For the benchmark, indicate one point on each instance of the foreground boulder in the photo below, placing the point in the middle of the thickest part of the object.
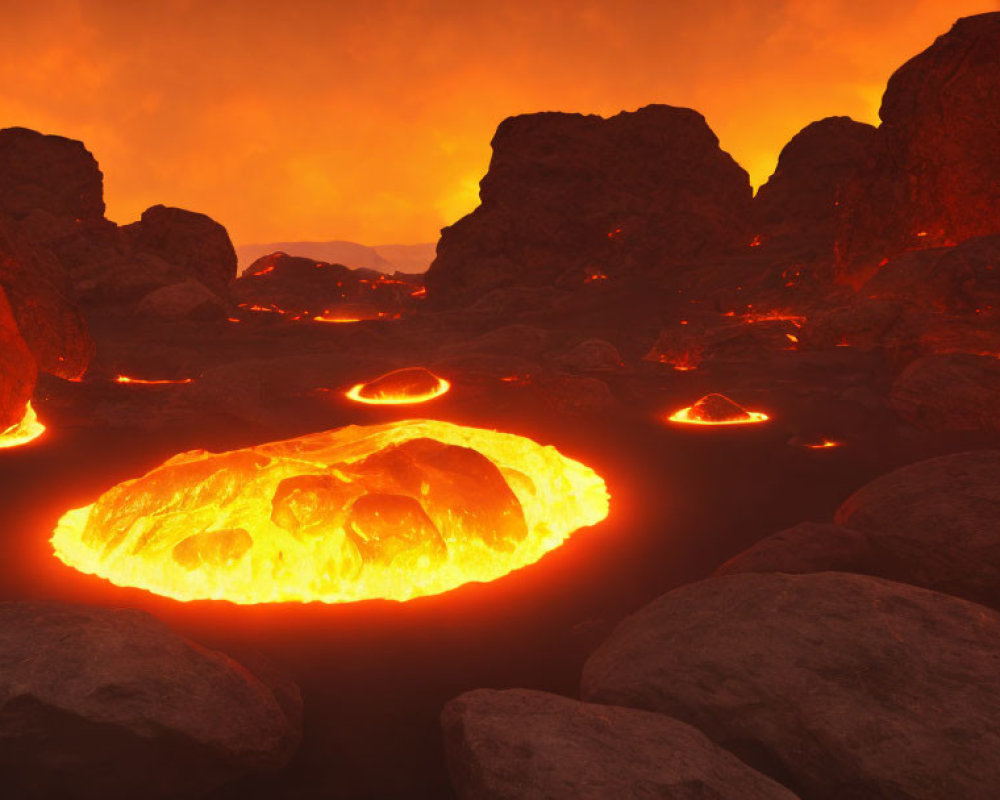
(570, 198)
(935, 523)
(526, 745)
(17, 368)
(110, 703)
(807, 547)
(836, 685)
(936, 159)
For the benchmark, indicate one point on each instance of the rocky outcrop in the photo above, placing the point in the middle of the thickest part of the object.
(569, 198)
(526, 745)
(933, 175)
(191, 242)
(110, 703)
(17, 368)
(188, 300)
(49, 182)
(41, 299)
(800, 199)
(836, 685)
(935, 523)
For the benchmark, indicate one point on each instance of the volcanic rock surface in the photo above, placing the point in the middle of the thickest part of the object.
(806, 547)
(954, 392)
(933, 176)
(110, 703)
(935, 523)
(527, 745)
(837, 685)
(569, 198)
(17, 368)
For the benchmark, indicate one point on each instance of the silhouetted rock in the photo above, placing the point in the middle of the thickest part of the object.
(40, 296)
(17, 368)
(936, 159)
(806, 547)
(48, 181)
(799, 199)
(191, 242)
(569, 198)
(526, 745)
(189, 299)
(935, 523)
(110, 703)
(837, 685)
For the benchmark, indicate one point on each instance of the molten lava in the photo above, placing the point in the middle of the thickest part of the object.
(390, 511)
(400, 387)
(717, 409)
(27, 430)
(150, 382)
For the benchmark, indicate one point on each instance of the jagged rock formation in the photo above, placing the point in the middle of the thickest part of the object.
(17, 368)
(933, 176)
(569, 198)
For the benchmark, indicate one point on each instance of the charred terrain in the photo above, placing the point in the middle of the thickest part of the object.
(793, 399)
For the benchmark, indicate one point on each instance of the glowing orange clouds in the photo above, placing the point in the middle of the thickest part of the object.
(400, 387)
(378, 129)
(27, 430)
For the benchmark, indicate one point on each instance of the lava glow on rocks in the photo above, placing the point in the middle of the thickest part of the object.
(391, 511)
(400, 387)
(27, 430)
(716, 409)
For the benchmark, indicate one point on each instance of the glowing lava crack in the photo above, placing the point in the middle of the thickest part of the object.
(27, 430)
(400, 387)
(390, 511)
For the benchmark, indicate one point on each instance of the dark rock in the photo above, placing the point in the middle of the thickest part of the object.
(110, 703)
(523, 341)
(592, 355)
(17, 369)
(569, 197)
(806, 547)
(191, 242)
(526, 745)
(954, 392)
(40, 296)
(190, 300)
(49, 174)
(935, 523)
(800, 198)
(836, 685)
(936, 159)
(571, 394)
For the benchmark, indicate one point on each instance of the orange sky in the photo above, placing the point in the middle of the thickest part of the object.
(370, 120)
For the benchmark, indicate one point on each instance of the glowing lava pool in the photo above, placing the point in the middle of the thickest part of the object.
(27, 430)
(391, 511)
(717, 409)
(400, 387)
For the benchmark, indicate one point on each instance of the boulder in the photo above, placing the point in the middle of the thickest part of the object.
(54, 180)
(110, 703)
(836, 685)
(592, 355)
(193, 243)
(526, 745)
(935, 166)
(569, 198)
(806, 547)
(190, 300)
(950, 392)
(935, 523)
(42, 301)
(17, 369)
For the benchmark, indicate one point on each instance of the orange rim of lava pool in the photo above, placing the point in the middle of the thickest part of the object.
(27, 430)
(356, 513)
(405, 386)
(707, 412)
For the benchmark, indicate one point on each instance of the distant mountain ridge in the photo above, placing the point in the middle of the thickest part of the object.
(383, 258)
